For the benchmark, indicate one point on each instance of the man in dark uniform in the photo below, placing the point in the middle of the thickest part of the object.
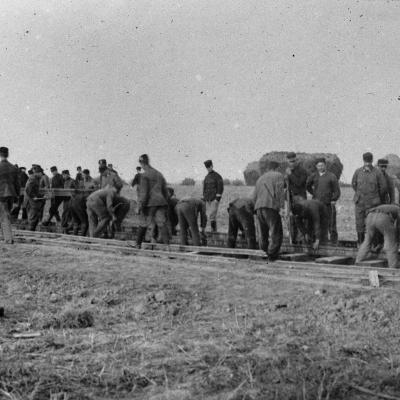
(385, 220)
(213, 187)
(88, 181)
(79, 177)
(295, 182)
(370, 188)
(56, 182)
(152, 202)
(34, 200)
(241, 216)
(23, 178)
(389, 197)
(78, 213)
(66, 219)
(269, 199)
(9, 193)
(188, 211)
(312, 221)
(324, 186)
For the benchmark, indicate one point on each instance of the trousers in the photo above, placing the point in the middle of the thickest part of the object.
(240, 218)
(187, 218)
(5, 218)
(271, 232)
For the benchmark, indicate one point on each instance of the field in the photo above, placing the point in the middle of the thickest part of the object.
(344, 207)
(125, 327)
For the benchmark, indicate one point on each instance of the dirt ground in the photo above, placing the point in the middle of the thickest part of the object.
(126, 327)
(344, 207)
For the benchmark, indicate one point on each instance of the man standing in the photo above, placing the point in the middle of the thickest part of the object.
(66, 220)
(389, 197)
(107, 176)
(241, 216)
(88, 181)
(296, 176)
(9, 192)
(136, 179)
(384, 220)
(324, 186)
(79, 177)
(312, 221)
(23, 178)
(56, 182)
(34, 200)
(213, 187)
(188, 211)
(370, 188)
(269, 198)
(152, 202)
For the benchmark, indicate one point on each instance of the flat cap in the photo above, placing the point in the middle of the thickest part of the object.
(383, 161)
(208, 163)
(53, 169)
(368, 157)
(65, 172)
(86, 171)
(4, 151)
(102, 162)
(291, 155)
(320, 159)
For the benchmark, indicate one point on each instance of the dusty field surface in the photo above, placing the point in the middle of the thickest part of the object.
(125, 327)
(344, 207)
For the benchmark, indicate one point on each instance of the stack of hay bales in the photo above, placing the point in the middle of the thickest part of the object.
(255, 169)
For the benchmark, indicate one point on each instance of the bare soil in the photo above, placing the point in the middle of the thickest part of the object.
(126, 327)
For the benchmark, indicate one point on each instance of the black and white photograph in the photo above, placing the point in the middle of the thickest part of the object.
(199, 199)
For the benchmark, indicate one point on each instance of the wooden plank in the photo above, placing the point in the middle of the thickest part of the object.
(374, 278)
(295, 257)
(334, 260)
(373, 263)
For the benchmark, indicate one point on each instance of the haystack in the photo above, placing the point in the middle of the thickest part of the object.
(255, 169)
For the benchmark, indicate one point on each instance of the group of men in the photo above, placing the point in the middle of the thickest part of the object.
(95, 204)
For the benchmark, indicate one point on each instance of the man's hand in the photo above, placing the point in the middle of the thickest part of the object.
(316, 245)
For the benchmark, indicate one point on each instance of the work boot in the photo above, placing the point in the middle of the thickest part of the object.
(360, 237)
(141, 233)
(213, 226)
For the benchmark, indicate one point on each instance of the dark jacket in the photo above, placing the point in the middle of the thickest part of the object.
(136, 180)
(23, 178)
(313, 218)
(197, 206)
(389, 197)
(9, 180)
(57, 181)
(213, 186)
(370, 187)
(269, 192)
(324, 188)
(69, 183)
(32, 189)
(298, 181)
(152, 189)
(243, 203)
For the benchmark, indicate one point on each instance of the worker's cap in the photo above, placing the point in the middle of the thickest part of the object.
(103, 162)
(53, 169)
(78, 168)
(291, 155)
(208, 163)
(65, 172)
(37, 168)
(109, 165)
(30, 171)
(383, 162)
(368, 157)
(138, 168)
(144, 159)
(320, 159)
(86, 171)
(4, 151)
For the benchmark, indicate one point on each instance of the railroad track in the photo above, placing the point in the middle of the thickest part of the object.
(238, 261)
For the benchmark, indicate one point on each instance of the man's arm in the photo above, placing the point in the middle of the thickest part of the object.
(220, 187)
(354, 180)
(203, 216)
(382, 184)
(109, 204)
(335, 188)
(143, 192)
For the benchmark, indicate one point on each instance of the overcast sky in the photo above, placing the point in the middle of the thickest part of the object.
(187, 80)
